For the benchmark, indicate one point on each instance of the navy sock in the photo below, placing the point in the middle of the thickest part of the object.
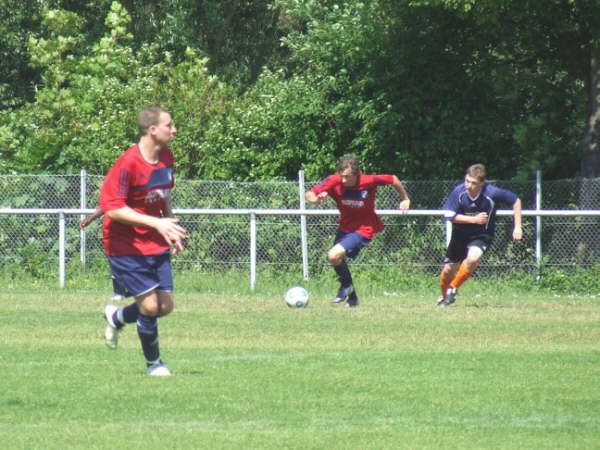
(147, 327)
(131, 313)
(343, 273)
(128, 314)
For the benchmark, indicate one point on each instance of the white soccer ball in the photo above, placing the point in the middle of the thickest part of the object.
(296, 297)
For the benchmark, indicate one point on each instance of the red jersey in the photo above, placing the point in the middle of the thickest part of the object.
(356, 203)
(134, 182)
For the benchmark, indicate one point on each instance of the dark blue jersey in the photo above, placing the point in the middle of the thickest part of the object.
(459, 202)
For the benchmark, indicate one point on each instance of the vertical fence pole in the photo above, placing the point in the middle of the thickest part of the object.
(303, 233)
(82, 205)
(61, 249)
(252, 251)
(448, 231)
(538, 223)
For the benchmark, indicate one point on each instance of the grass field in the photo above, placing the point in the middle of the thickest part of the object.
(510, 370)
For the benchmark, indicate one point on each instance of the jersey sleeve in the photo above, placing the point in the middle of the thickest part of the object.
(326, 184)
(452, 204)
(382, 180)
(115, 188)
(505, 196)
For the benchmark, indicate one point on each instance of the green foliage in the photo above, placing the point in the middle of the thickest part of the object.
(419, 89)
(89, 101)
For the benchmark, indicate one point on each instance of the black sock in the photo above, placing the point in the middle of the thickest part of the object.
(131, 313)
(147, 327)
(343, 273)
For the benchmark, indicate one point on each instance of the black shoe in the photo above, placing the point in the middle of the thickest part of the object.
(352, 301)
(450, 296)
(344, 292)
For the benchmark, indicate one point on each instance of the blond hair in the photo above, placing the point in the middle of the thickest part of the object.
(477, 171)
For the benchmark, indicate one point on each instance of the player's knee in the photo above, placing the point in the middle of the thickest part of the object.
(166, 308)
(336, 255)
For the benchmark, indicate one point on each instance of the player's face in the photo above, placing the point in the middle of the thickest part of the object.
(473, 185)
(349, 178)
(165, 130)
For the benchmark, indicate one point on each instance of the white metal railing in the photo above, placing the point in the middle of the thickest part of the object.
(253, 213)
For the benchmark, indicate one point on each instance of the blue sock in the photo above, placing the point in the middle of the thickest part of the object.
(128, 314)
(131, 313)
(147, 327)
(343, 273)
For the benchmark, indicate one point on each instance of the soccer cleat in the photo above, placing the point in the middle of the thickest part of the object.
(440, 302)
(344, 292)
(450, 296)
(352, 301)
(158, 370)
(111, 332)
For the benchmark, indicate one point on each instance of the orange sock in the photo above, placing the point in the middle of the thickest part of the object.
(444, 285)
(462, 276)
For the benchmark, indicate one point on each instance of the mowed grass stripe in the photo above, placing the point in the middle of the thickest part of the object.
(251, 373)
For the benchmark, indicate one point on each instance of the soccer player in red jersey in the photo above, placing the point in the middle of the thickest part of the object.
(139, 233)
(354, 194)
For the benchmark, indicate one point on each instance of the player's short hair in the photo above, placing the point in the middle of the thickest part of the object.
(348, 162)
(148, 117)
(477, 171)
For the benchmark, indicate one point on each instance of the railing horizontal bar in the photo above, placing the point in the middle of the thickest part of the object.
(308, 212)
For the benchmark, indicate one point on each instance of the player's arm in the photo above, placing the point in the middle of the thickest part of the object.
(89, 219)
(319, 193)
(167, 227)
(405, 202)
(311, 197)
(518, 227)
(479, 219)
(167, 211)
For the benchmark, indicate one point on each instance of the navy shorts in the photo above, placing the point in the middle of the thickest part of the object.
(136, 275)
(460, 243)
(352, 242)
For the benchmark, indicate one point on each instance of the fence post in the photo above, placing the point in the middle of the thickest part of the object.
(303, 234)
(82, 205)
(252, 251)
(538, 223)
(61, 249)
(448, 231)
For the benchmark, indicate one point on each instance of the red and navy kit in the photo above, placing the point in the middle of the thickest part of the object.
(356, 203)
(134, 182)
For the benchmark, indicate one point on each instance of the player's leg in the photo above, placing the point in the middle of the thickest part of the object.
(455, 253)
(337, 258)
(147, 327)
(467, 267)
(155, 304)
(347, 245)
(449, 270)
(116, 318)
(476, 247)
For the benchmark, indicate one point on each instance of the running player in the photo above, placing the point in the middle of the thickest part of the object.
(139, 231)
(472, 206)
(354, 194)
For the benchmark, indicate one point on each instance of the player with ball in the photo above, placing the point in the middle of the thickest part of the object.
(354, 194)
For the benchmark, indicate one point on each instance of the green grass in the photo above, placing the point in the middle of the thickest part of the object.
(510, 369)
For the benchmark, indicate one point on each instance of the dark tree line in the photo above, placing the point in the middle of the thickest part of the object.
(260, 89)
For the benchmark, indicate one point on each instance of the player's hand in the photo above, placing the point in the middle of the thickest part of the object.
(85, 222)
(172, 232)
(517, 234)
(481, 218)
(322, 197)
(405, 205)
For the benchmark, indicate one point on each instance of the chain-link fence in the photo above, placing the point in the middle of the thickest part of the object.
(223, 241)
